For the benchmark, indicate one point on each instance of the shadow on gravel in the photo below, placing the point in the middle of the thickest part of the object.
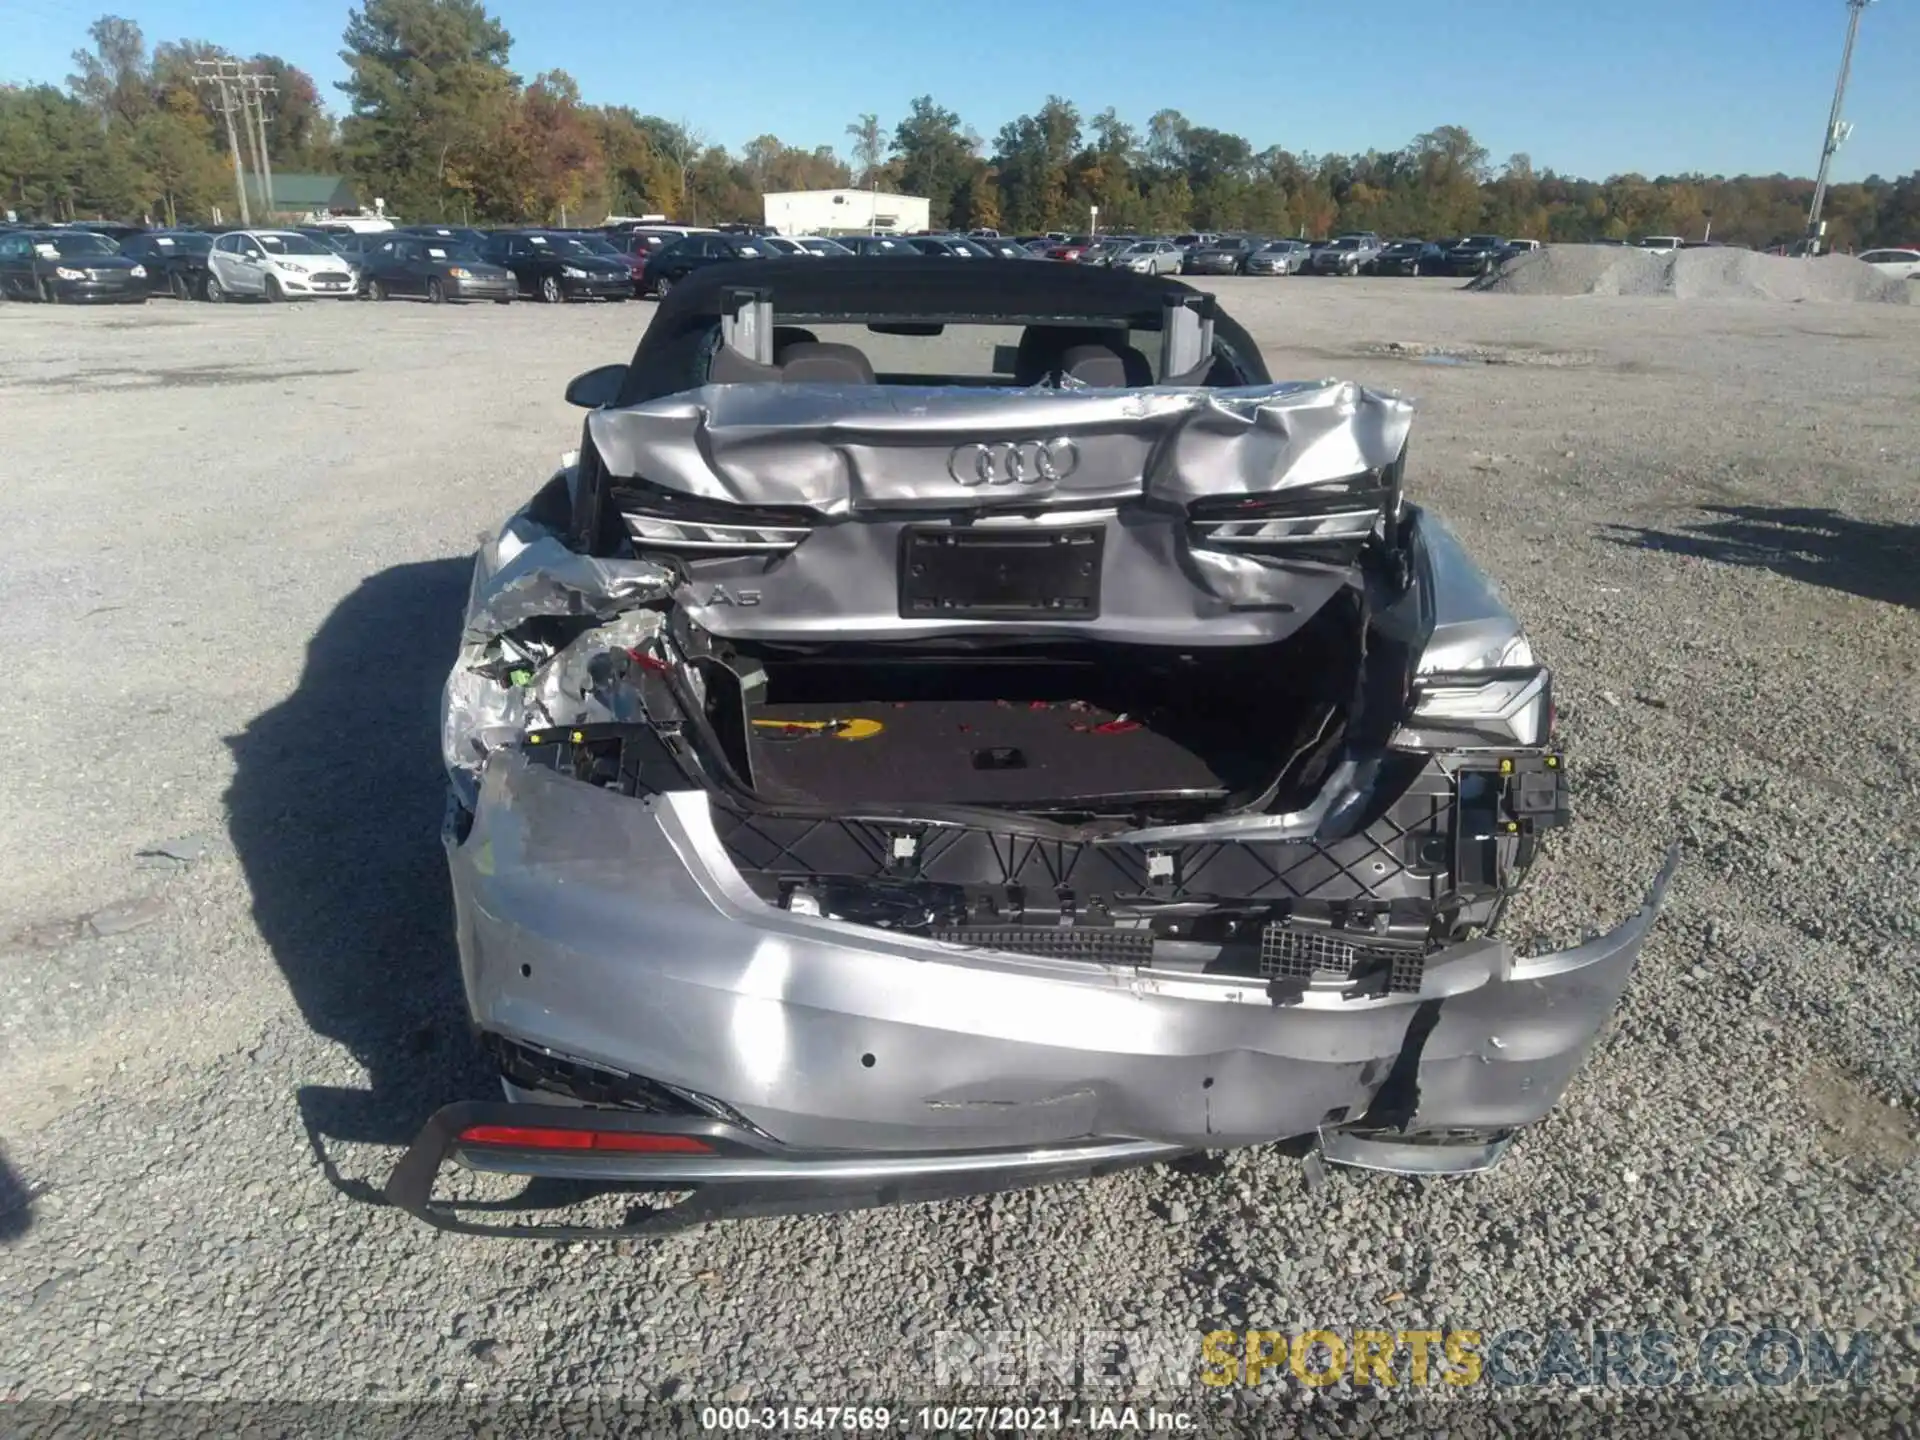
(335, 814)
(16, 1203)
(1868, 558)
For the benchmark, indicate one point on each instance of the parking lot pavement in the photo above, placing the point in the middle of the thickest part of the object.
(237, 540)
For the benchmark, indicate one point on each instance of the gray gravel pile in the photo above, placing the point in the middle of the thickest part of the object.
(1706, 273)
(230, 989)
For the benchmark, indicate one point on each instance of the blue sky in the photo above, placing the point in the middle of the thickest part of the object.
(1592, 89)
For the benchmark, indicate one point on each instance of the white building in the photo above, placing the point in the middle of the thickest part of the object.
(823, 212)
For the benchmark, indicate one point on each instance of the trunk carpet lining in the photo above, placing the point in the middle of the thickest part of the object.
(960, 752)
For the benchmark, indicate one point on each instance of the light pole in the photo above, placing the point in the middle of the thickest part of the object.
(1837, 129)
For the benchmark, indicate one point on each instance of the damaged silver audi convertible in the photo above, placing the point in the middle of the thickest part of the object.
(953, 727)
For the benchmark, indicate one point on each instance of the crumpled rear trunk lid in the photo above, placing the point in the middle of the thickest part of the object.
(1164, 516)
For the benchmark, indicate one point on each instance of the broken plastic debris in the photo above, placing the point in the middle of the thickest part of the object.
(1313, 1171)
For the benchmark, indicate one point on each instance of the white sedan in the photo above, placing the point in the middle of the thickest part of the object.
(1901, 264)
(277, 265)
(1149, 257)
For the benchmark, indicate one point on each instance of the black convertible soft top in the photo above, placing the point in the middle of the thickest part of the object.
(867, 288)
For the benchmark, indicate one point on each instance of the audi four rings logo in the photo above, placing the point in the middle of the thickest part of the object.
(1014, 462)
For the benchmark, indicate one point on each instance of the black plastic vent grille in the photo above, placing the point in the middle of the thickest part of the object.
(1302, 956)
(1097, 944)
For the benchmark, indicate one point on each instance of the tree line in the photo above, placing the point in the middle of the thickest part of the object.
(437, 124)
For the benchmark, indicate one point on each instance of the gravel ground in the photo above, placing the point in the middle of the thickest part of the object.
(238, 540)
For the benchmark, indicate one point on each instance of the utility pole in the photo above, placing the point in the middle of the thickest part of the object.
(257, 87)
(1837, 129)
(214, 73)
(244, 91)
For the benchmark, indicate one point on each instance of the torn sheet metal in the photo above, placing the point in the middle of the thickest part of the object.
(527, 571)
(507, 680)
(845, 449)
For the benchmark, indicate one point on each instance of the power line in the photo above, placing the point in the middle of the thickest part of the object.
(1837, 129)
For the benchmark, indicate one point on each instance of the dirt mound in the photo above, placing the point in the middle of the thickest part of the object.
(1708, 273)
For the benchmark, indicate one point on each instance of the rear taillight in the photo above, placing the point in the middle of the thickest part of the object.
(541, 1137)
(1327, 522)
(1497, 709)
(660, 519)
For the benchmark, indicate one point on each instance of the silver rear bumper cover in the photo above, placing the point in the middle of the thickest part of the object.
(617, 931)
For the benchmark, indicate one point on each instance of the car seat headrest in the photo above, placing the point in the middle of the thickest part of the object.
(1105, 367)
(811, 361)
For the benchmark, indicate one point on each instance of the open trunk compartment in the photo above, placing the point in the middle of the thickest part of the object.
(1054, 727)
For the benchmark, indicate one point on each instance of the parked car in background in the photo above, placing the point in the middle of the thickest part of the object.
(1226, 256)
(435, 270)
(1473, 255)
(601, 245)
(818, 245)
(892, 245)
(696, 252)
(957, 247)
(69, 267)
(1069, 250)
(1002, 248)
(1407, 257)
(1195, 240)
(277, 265)
(1661, 244)
(1346, 255)
(554, 267)
(114, 230)
(1149, 257)
(350, 243)
(1102, 252)
(643, 242)
(458, 234)
(332, 239)
(1901, 264)
(1278, 257)
(662, 228)
(1518, 247)
(176, 260)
